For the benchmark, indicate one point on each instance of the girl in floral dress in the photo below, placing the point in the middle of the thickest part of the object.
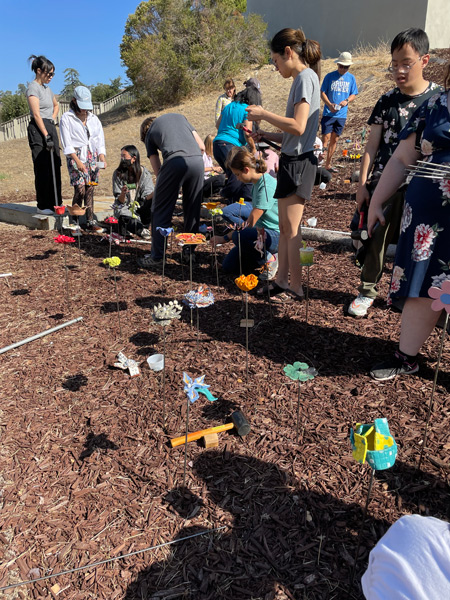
(423, 252)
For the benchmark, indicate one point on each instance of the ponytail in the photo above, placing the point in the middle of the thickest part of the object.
(42, 63)
(308, 50)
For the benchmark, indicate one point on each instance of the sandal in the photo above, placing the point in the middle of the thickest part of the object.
(288, 297)
(271, 289)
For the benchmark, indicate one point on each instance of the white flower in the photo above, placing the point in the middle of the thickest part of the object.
(426, 147)
(403, 112)
(438, 280)
(406, 217)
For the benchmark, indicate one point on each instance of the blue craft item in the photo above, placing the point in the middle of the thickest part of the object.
(199, 298)
(165, 231)
(208, 394)
(193, 386)
(375, 444)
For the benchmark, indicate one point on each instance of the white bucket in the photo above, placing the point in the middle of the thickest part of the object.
(156, 362)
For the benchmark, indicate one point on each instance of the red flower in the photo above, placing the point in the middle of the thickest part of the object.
(64, 239)
(111, 221)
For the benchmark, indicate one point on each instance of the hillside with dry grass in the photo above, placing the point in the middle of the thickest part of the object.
(122, 126)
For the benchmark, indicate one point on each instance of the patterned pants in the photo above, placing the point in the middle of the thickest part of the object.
(85, 193)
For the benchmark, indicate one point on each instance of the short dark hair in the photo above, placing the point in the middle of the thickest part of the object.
(42, 63)
(416, 38)
(250, 96)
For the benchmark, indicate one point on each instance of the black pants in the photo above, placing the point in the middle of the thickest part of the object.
(213, 185)
(186, 172)
(43, 175)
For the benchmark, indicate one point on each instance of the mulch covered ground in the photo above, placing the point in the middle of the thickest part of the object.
(86, 469)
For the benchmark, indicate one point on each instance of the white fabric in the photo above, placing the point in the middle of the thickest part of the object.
(410, 562)
(74, 135)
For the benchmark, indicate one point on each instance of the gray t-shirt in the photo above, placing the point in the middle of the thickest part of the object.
(45, 96)
(305, 86)
(172, 135)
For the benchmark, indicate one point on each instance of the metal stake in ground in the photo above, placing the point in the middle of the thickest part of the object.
(245, 284)
(113, 263)
(441, 298)
(64, 239)
(215, 251)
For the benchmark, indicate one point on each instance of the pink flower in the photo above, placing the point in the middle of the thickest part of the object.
(423, 238)
(445, 187)
(64, 239)
(397, 277)
(441, 297)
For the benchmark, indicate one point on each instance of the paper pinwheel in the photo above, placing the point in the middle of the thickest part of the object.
(246, 283)
(193, 386)
(165, 231)
(199, 298)
(300, 371)
(375, 444)
(112, 262)
(441, 297)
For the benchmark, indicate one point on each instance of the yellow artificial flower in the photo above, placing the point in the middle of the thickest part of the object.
(241, 201)
(210, 205)
(113, 262)
(246, 283)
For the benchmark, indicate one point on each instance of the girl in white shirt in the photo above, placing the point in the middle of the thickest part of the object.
(84, 146)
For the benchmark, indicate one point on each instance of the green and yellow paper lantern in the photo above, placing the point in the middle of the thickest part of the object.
(375, 444)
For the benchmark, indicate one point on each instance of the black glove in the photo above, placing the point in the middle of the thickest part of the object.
(50, 144)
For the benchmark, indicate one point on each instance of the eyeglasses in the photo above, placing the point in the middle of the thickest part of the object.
(50, 74)
(402, 68)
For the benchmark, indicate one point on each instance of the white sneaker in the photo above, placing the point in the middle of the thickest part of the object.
(271, 268)
(360, 306)
(45, 211)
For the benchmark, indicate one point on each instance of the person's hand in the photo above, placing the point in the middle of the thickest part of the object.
(49, 143)
(81, 167)
(362, 197)
(343, 103)
(123, 194)
(375, 216)
(254, 112)
(333, 108)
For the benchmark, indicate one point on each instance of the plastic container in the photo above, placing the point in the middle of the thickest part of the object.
(156, 362)
(101, 165)
(307, 256)
(323, 185)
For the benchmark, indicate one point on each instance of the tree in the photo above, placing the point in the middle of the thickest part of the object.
(173, 47)
(103, 91)
(14, 105)
(71, 81)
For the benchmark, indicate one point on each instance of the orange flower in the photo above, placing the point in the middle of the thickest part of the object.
(246, 283)
(210, 205)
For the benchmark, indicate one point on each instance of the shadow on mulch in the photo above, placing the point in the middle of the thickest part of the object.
(272, 543)
(42, 256)
(74, 383)
(97, 442)
(145, 341)
(111, 307)
(21, 292)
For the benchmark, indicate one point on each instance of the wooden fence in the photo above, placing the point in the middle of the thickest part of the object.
(17, 128)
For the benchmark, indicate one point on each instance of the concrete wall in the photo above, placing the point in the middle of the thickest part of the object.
(344, 24)
(437, 23)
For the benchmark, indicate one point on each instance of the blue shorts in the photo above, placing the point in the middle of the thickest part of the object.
(331, 124)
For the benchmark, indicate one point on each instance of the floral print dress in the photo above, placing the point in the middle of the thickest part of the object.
(423, 251)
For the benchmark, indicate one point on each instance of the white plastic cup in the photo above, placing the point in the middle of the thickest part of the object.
(312, 222)
(101, 165)
(307, 256)
(323, 185)
(156, 362)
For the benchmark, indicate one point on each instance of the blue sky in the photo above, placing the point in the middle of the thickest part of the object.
(83, 35)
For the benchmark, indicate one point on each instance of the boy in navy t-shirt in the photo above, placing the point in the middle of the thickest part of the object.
(337, 91)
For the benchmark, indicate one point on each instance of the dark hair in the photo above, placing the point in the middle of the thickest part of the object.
(73, 104)
(240, 157)
(249, 96)
(133, 175)
(42, 63)
(308, 50)
(416, 38)
(145, 126)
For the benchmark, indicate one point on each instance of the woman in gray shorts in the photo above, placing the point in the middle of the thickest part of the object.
(293, 56)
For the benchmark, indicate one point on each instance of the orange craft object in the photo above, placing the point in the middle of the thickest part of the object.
(92, 183)
(210, 205)
(241, 201)
(246, 282)
(191, 238)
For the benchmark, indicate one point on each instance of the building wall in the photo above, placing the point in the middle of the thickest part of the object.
(344, 24)
(437, 23)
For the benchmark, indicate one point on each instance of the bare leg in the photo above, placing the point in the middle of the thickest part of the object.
(331, 149)
(418, 321)
(290, 212)
(326, 140)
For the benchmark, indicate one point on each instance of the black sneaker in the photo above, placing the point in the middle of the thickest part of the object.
(396, 365)
(186, 254)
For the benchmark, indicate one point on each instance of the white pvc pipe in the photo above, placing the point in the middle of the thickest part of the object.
(5, 274)
(39, 335)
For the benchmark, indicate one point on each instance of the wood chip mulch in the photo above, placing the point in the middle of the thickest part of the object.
(86, 471)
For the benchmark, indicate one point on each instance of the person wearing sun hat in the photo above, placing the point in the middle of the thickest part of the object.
(83, 144)
(337, 91)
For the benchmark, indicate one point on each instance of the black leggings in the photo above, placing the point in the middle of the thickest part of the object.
(43, 175)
